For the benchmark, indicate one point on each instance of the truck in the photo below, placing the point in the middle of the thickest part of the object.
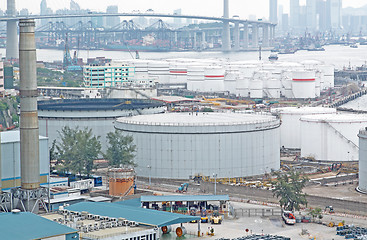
(216, 218)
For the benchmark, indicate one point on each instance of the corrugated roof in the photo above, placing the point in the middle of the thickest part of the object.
(13, 136)
(135, 202)
(28, 226)
(184, 198)
(137, 214)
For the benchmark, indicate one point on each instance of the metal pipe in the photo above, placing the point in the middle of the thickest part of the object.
(29, 133)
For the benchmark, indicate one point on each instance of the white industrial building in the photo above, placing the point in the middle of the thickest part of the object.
(96, 114)
(362, 160)
(10, 160)
(254, 79)
(290, 130)
(110, 75)
(331, 137)
(180, 145)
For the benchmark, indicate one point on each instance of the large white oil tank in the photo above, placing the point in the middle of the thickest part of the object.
(242, 86)
(331, 137)
(363, 160)
(195, 77)
(230, 80)
(328, 75)
(290, 130)
(304, 84)
(256, 88)
(179, 145)
(248, 71)
(214, 79)
(159, 69)
(273, 88)
(178, 72)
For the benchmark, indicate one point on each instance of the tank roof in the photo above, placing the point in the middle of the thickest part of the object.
(303, 110)
(197, 119)
(94, 104)
(336, 118)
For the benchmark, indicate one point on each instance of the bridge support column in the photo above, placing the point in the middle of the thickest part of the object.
(237, 36)
(272, 35)
(203, 40)
(265, 42)
(226, 34)
(255, 35)
(245, 36)
(11, 32)
(194, 41)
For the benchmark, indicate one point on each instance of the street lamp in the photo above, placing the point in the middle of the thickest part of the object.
(215, 183)
(149, 167)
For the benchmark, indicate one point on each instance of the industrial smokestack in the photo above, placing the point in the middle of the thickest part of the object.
(29, 134)
(11, 32)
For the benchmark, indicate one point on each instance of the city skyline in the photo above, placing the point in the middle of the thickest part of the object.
(237, 7)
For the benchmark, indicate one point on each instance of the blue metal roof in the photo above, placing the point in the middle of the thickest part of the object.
(135, 202)
(25, 226)
(137, 214)
(184, 198)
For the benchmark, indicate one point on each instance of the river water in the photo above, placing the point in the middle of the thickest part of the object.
(337, 55)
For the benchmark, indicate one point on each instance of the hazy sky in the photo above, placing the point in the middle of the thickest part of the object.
(243, 8)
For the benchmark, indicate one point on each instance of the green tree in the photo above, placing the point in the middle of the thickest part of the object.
(316, 213)
(78, 149)
(121, 150)
(288, 189)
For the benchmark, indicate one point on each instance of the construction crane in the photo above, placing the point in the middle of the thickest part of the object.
(68, 63)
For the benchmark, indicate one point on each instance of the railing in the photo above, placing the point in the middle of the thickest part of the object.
(264, 212)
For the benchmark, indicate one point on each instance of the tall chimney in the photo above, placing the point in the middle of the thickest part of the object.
(11, 32)
(29, 136)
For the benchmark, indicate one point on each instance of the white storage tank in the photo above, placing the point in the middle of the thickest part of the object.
(96, 114)
(195, 78)
(214, 79)
(230, 80)
(331, 137)
(179, 145)
(273, 88)
(290, 130)
(363, 160)
(242, 86)
(328, 76)
(159, 69)
(178, 72)
(304, 84)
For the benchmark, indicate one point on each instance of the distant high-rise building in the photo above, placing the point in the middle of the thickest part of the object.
(43, 7)
(24, 12)
(177, 21)
(273, 11)
(74, 6)
(280, 14)
(323, 14)
(311, 16)
(285, 22)
(112, 21)
(44, 10)
(335, 13)
(294, 12)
